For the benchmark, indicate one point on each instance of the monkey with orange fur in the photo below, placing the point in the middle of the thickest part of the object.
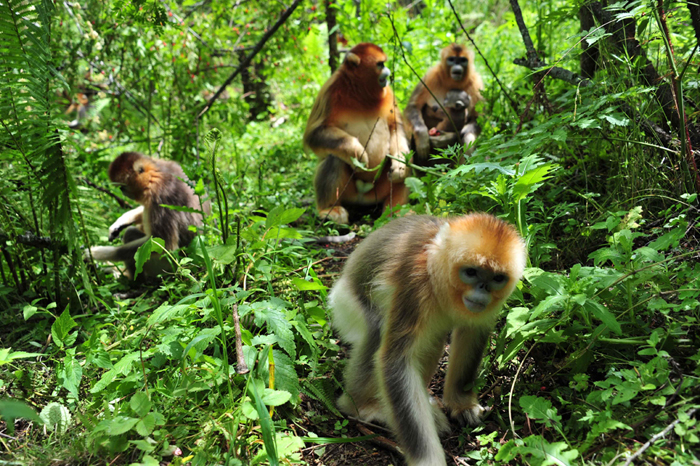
(355, 117)
(455, 71)
(151, 183)
(396, 305)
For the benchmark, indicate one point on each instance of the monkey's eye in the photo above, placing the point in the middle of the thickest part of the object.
(498, 281)
(140, 170)
(380, 64)
(469, 275)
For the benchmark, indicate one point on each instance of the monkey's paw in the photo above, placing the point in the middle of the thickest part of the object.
(360, 153)
(336, 214)
(472, 416)
(115, 229)
(422, 140)
(399, 170)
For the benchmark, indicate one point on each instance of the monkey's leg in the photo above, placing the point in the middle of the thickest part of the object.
(360, 327)
(466, 350)
(332, 183)
(129, 218)
(428, 359)
(405, 395)
(391, 194)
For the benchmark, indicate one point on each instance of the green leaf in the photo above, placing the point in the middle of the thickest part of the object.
(56, 417)
(602, 313)
(72, 373)
(304, 285)
(61, 327)
(540, 409)
(268, 428)
(272, 313)
(6, 355)
(140, 404)
(275, 397)
(146, 425)
(13, 409)
(29, 311)
(120, 425)
(144, 252)
(529, 182)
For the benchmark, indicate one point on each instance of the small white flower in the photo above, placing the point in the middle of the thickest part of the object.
(94, 34)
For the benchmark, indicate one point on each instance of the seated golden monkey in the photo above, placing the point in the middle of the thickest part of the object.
(152, 183)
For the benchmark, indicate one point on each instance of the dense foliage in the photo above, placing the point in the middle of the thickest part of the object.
(596, 359)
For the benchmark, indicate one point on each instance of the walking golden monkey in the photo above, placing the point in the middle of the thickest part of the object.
(403, 290)
(355, 117)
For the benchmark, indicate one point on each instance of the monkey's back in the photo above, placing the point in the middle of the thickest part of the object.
(391, 254)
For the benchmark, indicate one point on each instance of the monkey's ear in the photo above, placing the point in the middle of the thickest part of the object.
(352, 58)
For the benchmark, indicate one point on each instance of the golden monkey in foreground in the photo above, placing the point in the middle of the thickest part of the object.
(152, 183)
(403, 290)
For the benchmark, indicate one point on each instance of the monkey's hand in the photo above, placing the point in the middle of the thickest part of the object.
(399, 169)
(422, 139)
(359, 152)
(131, 217)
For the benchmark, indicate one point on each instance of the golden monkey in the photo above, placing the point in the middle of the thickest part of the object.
(152, 183)
(455, 71)
(403, 290)
(355, 117)
(457, 105)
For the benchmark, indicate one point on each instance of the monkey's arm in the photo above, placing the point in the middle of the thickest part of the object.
(470, 131)
(415, 119)
(332, 140)
(134, 216)
(398, 147)
(466, 350)
(115, 253)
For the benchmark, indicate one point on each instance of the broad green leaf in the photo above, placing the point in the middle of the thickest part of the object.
(140, 404)
(7, 355)
(60, 328)
(120, 425)
(304, 285)
(268, 428)
(602, 313)
(56, 417)
(275, 397)
(72, 373)
(13, 409)
(540, 409)
(271, 312)
(529, 181)
(146, 425)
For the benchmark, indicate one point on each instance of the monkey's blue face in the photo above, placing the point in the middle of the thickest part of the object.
(458, 67)
(482, 283)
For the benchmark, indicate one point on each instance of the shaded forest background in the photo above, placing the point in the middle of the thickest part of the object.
(589, 146)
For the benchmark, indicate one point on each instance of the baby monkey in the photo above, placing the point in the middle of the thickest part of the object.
(152, 183)
(456, 103)
(403, 290)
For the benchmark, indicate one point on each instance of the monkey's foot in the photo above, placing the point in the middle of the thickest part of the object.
(369, 412)
(336, 214)
(399, 170)
(472, 416)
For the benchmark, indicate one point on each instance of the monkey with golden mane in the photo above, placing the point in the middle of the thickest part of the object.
(395, 305)
(152, 183)
(454, 72)
(355, 117)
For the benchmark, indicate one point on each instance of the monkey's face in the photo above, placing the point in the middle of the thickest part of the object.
(486, 258)
(367, 62)
(457, 100)
(457, 66)
(483, 287)
(134, 174)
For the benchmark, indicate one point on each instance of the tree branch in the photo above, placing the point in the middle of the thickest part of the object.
(246, 62)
